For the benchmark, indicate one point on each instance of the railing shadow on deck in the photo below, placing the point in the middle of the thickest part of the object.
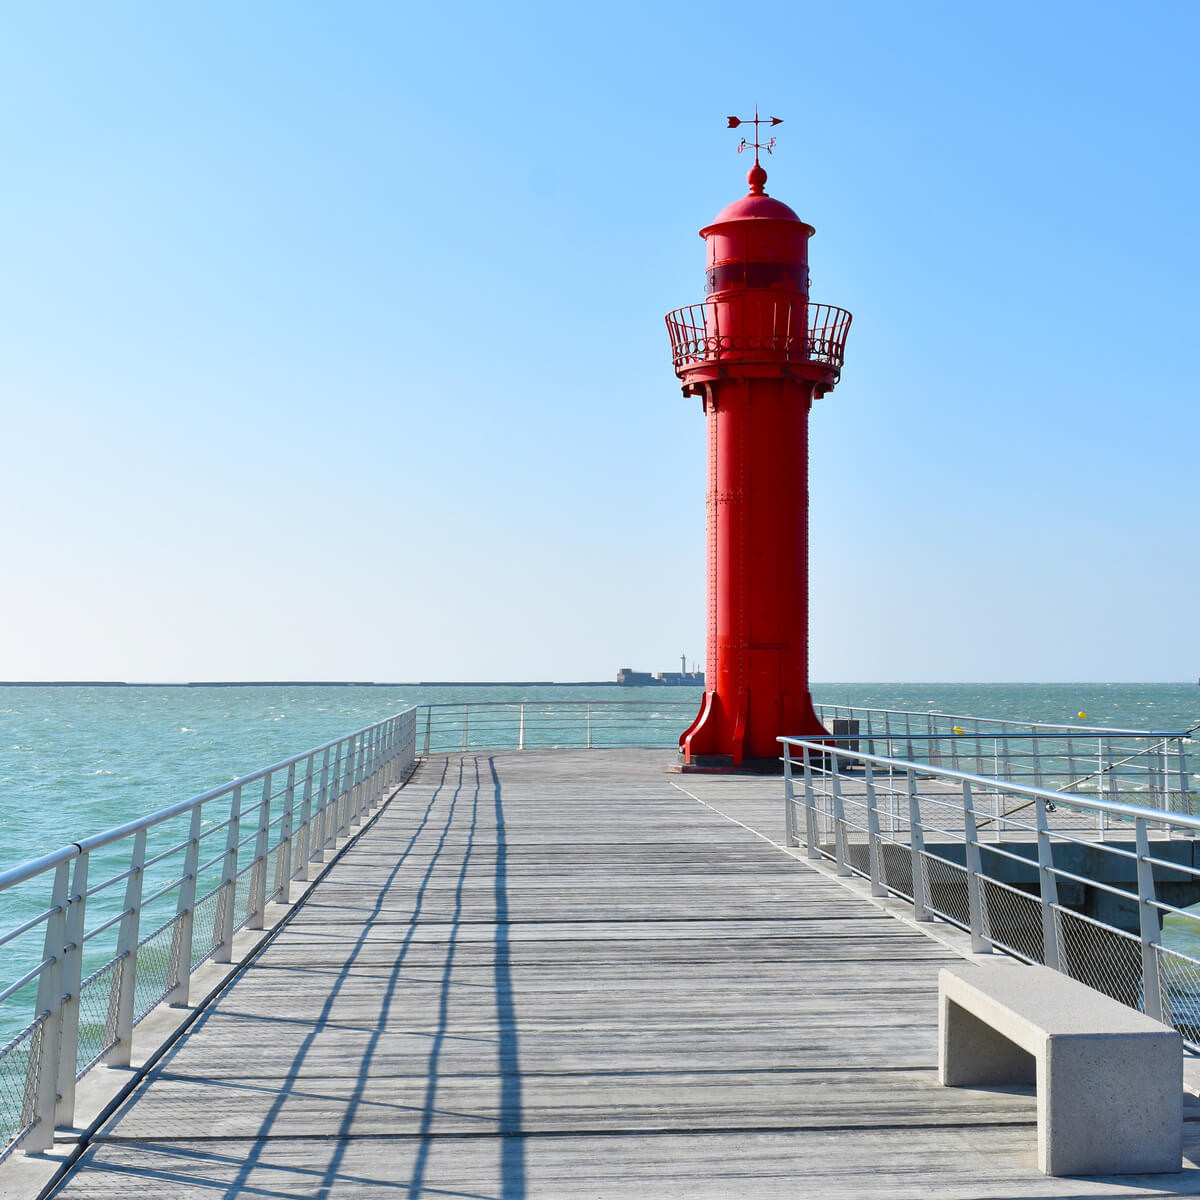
(256, 1162)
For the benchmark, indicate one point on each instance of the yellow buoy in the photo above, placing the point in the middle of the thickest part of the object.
(1083, 716)
(959, 729)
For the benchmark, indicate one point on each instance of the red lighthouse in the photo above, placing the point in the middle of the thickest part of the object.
(756, 352)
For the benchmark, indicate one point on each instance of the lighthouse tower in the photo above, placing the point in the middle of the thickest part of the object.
(756, 351)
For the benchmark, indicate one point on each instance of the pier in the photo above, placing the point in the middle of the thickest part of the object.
(570, 973)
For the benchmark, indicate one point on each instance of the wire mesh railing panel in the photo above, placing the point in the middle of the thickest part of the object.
(895, 868)
(244, 895)
(157, 968)
(275, 872)
(97, 1016)
(1012, 920)
(1104, 958)
(1179, 980)
(18, 1078)
(858, 857)
(206, 926)
(946, 890)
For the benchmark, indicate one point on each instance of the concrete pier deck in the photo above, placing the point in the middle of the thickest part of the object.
(562, 973)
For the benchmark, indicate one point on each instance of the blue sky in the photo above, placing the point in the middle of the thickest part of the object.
(331, 339)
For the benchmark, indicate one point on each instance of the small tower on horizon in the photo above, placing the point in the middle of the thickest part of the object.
(756, 352)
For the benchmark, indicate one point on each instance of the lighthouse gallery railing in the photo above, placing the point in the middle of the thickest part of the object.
(91, 960)
(786, 327)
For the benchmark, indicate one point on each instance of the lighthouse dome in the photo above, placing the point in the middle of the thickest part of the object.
(756, 205)
(760, 207)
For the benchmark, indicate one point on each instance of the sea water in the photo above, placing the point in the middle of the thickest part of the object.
(75, 761)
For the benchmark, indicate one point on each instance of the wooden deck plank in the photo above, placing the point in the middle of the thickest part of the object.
(560, 974)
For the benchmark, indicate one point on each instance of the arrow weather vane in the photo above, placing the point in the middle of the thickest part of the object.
(768, 146)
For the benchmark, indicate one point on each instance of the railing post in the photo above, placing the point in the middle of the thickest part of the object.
(303, 837)
(521, 730)
(588, 718)
(839, 815)
(878, 888)
(973, 861)
(366, 757)
(258, 872)
(1148, 924)
(185, 913)
(916, 845)
(1037, 761)
(466, 725)
(1111, 782)
(360, 782)
(72, 979)
(127, 952)
(353, 755)
(283, 859)
(50, 1002)
(392, 751)
(428, 719)
(810, 811)
(322, 818)
(1185, 786)
(383, 771)
(908, 749)
(344, 786)
(370, 758)
(1047, 888)
(378, 766)
(224, 940)
(789, 799)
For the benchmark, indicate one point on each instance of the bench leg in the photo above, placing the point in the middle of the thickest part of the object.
(1110, 1105)
(972, 1054)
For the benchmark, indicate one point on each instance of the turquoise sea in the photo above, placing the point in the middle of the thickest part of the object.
(77, 760)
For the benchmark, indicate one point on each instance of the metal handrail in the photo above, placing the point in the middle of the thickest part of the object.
(1112, 808)
(867, 813)
(552, 724)
(836, 710)
(335, 788)
(1142, 766)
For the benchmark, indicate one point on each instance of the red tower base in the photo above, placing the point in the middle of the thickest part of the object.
(717, 739)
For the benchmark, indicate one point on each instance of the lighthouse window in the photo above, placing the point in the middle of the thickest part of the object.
(756, 275)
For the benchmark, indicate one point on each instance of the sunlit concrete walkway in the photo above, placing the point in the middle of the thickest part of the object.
(572, 974)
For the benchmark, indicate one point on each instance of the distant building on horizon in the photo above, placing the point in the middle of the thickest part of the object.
(682, 677)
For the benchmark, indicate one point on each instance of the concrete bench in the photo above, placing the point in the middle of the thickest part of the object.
(1109, 1079)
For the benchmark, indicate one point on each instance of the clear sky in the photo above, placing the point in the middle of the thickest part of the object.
(332, 343)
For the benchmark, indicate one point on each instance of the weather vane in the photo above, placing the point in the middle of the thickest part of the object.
(768, 146)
